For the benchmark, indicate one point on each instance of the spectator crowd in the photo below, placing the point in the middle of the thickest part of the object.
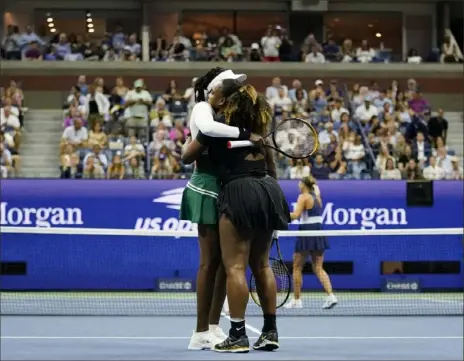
(119, 132)
(275, 45)
(124, 130)
(116, 131)
(366, 132)
(11, 120)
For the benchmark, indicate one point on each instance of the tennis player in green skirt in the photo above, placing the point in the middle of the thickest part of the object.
(199, 205)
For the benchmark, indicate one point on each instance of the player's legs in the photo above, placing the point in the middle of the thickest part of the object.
(299, 260)
(210, 259)
(317, 259)
(265, 279)
(235, 248)
(266, 288)
(204, 336)
(201, 208)
(219, 295)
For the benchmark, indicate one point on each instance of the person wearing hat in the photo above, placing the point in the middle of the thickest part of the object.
(366, 111)
(255, 52)
(455, 173)
(199, 205)
(137, 101)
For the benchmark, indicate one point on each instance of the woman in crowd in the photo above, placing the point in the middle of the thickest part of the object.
(390, 172)
(116, 169)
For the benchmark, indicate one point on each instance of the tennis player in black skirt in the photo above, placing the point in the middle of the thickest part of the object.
(251, 206)
(309, 210)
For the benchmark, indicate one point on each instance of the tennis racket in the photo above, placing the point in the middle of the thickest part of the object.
(283, 278)
(305, 140)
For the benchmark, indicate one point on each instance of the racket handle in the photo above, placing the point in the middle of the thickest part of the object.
(239, 144)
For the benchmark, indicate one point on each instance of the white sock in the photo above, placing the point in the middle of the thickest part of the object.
(213, 327)
(237, 319)
(202, 333)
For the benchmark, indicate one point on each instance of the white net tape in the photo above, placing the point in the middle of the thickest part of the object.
(162, 233)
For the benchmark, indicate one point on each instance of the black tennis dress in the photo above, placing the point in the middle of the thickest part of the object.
(249, 197)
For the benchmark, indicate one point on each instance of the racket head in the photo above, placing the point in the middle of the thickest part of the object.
(283, 283)
(307, 141)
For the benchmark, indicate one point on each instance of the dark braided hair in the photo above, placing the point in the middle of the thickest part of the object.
(202, 83)
(246, 108)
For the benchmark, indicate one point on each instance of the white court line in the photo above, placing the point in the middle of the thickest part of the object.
(187, 338)
(247, 326)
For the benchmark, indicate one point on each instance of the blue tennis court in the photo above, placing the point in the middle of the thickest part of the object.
(99, 293)
(162, 338)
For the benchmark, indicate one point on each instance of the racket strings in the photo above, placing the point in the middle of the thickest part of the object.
(281, 275)
(295, 138)
(283, 283)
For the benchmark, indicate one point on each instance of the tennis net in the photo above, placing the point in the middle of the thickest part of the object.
(81, 271)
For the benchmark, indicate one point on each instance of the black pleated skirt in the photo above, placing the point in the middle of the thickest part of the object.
(311, 244)
(256, 203)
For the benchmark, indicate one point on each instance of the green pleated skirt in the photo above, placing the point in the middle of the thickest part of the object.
(199, 199)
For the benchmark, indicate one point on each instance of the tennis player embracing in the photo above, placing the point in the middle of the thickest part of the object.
(199, 205)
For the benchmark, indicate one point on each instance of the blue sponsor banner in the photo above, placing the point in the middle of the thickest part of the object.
(117, 262)
(175, 285)
(155, 204)
(401, 285)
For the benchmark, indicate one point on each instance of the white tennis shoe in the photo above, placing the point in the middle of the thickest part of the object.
(330, 302)
(200, 341)
(217, 334)
(207, 339)
(294, 303)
